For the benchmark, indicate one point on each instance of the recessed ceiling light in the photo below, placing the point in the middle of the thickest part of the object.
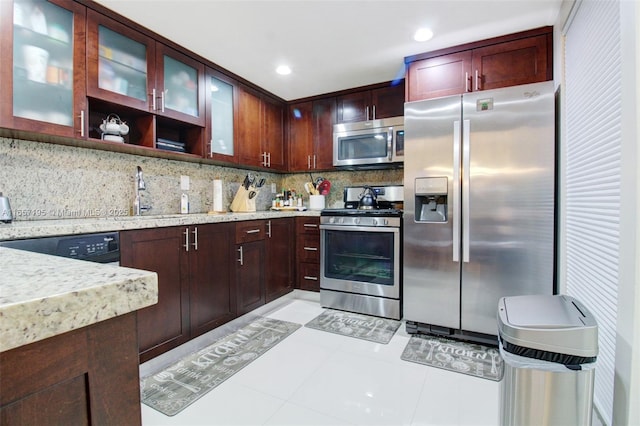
(283, 70)
(423, 34)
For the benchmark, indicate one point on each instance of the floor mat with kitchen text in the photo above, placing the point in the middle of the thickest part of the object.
(374, 329)
(176, 387)
(462, 357)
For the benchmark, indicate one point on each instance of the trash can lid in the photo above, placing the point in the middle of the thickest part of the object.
(553, 323)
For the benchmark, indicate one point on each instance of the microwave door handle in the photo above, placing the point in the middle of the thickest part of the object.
(390, 143)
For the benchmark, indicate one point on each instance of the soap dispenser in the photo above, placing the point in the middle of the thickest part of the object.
(5, 210)
(184, 203)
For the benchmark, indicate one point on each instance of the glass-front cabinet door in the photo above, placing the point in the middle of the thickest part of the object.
(119, 63)
(179, 86)
(221, 114)
(43, 79)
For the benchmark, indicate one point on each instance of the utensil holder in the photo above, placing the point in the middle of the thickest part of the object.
(316, 202)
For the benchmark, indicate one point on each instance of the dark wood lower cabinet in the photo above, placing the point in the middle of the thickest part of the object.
(212, 296)
(196, 282)
(207, 275)
(87, 376)
(250, 278)
(279, 257)
(308, 253)
(165, 325)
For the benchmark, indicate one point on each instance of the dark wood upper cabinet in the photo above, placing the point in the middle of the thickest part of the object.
(324, 113)
(273, 127)
(510, 60)
(300, 136)
(374, 104)
(120, 63)
(42, 71)
(260, 131)
(440, 76)
(511, 63)
(221, 98)
(129, 68)
(310, 134)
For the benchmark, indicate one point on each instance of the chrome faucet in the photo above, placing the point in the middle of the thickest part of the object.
(140, 186)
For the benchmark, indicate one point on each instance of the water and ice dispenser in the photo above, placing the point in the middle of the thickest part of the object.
(431, 199)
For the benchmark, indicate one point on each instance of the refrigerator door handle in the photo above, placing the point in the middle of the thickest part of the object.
(456, 191)
(466, 167)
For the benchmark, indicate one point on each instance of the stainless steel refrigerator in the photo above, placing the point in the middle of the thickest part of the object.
(479, 206)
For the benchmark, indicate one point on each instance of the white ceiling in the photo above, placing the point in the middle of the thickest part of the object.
(330, 45)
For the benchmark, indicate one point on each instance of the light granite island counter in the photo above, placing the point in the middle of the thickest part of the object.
(68, 342)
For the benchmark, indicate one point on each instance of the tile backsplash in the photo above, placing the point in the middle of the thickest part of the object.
(49, 181)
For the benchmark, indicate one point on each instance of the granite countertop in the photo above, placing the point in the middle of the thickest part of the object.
(42, 296)
(46, 228)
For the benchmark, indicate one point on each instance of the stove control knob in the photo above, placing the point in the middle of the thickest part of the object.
(385, 221)
(374, 222)
(356, 220)
(341, 220)
(332, 220)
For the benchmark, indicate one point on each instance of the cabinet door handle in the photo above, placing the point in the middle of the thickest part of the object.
(241, 258)
(269, 228)
(374, 112)
(195, 238)
(308, 161)
(477, 80)
(186, 239)
(162, 101)
(311, 248)
(310, 278)
(82, 124)
(153, 99)
(466, 82)
(269, 157)
(310, 225)
(314, 161)
(366, 112)
(252, 231)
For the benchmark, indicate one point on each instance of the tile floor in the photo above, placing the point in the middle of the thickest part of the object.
(318, 378)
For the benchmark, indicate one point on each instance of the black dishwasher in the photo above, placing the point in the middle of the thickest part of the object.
(99, 247)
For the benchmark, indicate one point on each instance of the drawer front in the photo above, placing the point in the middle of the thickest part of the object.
(248, 231)
(308, 248)
(309, 276)
(308, 225)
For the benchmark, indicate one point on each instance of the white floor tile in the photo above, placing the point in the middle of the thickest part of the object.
(283, 369)
(293, 415)
(318, 378)
(362, 390)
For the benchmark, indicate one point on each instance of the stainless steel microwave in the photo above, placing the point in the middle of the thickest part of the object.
(369, 143)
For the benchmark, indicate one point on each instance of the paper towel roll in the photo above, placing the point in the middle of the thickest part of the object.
(217, 195)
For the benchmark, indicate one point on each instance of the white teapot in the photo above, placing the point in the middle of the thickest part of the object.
(114, 126)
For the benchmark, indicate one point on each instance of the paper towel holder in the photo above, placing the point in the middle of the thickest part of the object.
(217, 200)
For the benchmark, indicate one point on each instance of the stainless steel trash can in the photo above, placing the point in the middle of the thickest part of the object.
(549, 345)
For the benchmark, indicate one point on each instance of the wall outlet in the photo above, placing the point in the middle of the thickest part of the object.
(273, 188)
(184, 183)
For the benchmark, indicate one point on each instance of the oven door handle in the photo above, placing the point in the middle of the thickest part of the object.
(393, 229)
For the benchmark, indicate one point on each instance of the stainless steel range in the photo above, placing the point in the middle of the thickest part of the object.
(361, 252)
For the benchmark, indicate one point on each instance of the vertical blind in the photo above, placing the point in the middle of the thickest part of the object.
(592, 202)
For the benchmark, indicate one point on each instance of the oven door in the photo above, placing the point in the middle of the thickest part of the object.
(361, 260)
